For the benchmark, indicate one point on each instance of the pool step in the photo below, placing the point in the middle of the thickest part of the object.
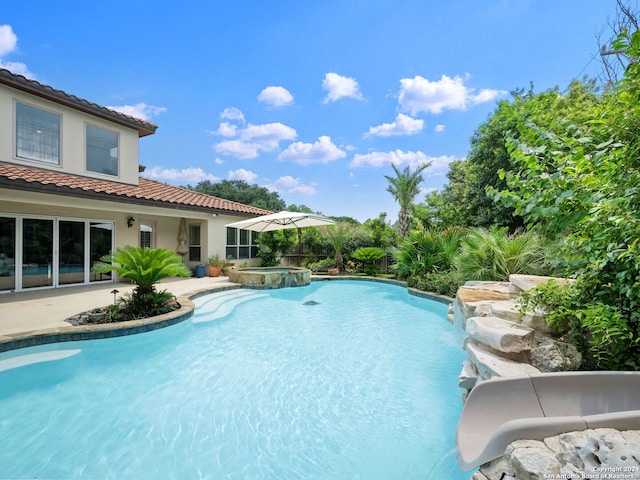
(218, 296)
(221, 307)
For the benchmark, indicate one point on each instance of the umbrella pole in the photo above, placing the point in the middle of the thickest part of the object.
(299, 247)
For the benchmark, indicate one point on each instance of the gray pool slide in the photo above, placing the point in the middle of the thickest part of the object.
(534, 407)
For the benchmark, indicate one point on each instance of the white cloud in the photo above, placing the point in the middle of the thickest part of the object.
(8, 40)
(338, 87)
(256, 138)
(439, 128)
(400, 158)
(322, 151)
(139, 110)
(188, 175)
(487, 95)
(276, 96)
(421, 95)
(9, 44)
(242, 174)
(288, 184)
(226, 129)
(232, 113)
(402, 125)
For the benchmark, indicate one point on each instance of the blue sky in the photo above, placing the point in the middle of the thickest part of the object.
(312, 99)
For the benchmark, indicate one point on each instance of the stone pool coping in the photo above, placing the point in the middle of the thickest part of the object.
(73, 333)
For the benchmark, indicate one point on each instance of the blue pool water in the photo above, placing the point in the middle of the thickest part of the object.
(336, 380)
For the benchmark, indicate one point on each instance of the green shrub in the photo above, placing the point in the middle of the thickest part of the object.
(442, 283)
(599, 331)
(369, 255)
(144, 267)
(493, 254)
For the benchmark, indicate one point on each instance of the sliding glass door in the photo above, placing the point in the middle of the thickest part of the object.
(71, 261)
(51, 252)
(7, 253)
(37, 252)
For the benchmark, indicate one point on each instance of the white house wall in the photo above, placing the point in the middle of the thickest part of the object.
(72, 125)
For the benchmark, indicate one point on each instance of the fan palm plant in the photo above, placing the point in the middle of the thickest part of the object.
(426, 251)
(494, 255)
(404, 187)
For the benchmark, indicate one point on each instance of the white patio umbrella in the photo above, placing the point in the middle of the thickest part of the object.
(282, 220)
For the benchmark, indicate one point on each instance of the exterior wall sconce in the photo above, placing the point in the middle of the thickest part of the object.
(130, 222)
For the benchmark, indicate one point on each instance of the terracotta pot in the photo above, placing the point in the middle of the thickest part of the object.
(333, 271)
(214, 271)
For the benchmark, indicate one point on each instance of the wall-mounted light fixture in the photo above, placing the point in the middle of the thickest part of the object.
(214, 214)
(130, 222)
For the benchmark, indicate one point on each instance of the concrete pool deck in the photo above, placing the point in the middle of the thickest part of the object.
(34, 310)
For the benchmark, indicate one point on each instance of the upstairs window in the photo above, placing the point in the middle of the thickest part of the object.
(37, 134)
(102, 151)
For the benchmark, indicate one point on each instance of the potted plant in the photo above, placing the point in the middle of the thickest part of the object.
(200, 270)
(215, 265)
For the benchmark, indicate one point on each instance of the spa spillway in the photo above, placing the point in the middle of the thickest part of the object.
(271, 277)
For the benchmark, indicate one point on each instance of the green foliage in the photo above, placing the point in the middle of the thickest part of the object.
(143, 266)
(442, 283)
(148, 304)
(274, 244)
(321, 265)
(240, 191)
(380, 232)
(405, 186)
(369, 255)
(339, 236)
(426, 251)
(468, 199)
(601, 334)
(494, 254)
(579, 178)
(216, 261)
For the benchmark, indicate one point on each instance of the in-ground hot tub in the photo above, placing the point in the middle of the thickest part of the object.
(271, 277)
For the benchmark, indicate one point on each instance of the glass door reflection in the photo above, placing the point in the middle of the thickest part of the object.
(37, 255)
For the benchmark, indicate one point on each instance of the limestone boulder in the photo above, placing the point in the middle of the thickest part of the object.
(593, 452)
(490, 365)
(499, 334)
(468, 375)
(551, 355)
(527, 282)
(531, 460)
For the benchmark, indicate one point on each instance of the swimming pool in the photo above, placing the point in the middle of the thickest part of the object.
(338, 379)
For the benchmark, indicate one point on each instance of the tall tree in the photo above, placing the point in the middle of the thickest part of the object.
(468, 199)
(405, 186)
(241, 192)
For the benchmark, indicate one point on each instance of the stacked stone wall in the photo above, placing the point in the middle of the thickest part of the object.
(500, 342)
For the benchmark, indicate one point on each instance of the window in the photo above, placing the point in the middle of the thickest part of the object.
(195, 249)
(241, 243)
(102, 151)
(147, 233)
(37, 134)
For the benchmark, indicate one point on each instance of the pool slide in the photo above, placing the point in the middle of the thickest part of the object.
(501, 410)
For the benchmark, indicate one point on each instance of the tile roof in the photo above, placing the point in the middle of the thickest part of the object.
(33, 87)
(147, 192)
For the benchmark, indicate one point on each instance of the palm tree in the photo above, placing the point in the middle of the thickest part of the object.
(405, 186)
(144, 267)
(338, 235)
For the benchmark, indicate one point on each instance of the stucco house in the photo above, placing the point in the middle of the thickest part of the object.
(71, 191)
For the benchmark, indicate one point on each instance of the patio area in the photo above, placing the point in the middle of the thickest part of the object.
(30, 311)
